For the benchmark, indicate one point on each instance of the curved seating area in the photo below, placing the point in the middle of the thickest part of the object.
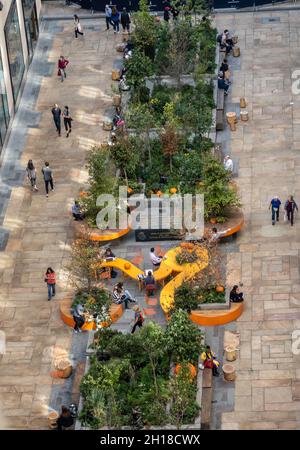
(212, 317)
(182, 272)
(233, 224)
(116, 312)
(100, 235)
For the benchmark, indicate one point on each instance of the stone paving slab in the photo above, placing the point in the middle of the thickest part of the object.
(267, 150)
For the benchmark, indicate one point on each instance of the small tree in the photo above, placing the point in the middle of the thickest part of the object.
(182, 392)
(126, 157)
(82, 267)
(218, 194)
(152, 337)
(183, 338)
(170, 143)
(139, 66)
(142, 119)
(145, 32)
(185, 298)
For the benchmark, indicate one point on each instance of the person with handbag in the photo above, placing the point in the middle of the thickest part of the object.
(48, 179)
(67, 120)
(62, 64)
(77, 26)
(210, 361)
(275, 205)
(50, 279)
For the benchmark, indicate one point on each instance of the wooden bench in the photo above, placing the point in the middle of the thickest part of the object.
(220, 110)
(206, 403)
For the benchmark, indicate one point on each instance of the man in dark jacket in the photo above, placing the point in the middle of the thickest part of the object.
(56, 112)
(47, 174)
(290, 206)
(125, 21)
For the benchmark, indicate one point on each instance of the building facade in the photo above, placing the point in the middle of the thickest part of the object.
(19, 29)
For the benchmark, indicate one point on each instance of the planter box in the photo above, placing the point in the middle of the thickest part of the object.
(215, 306)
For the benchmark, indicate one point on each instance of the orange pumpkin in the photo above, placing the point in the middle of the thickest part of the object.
(129, 190)
(213, 220)
(159, 193)
(127, 266)
(188, 245)
(83, 194)
(173, 190)
(220, 288)
(192, 369)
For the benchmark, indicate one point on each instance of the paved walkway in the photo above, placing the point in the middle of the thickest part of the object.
(267, 393)
(40, 230)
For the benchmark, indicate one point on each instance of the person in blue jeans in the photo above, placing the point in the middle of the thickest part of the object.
(275, 205)
(222, 83)
(115, 19)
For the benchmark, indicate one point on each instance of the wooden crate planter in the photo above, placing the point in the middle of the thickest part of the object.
(115, 75)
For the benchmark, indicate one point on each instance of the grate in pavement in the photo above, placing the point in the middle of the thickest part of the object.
(268, 19)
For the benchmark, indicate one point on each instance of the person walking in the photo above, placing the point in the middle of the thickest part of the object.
(290, 206)
(77, 26)
(67, 120)
(56, 112)
(125, 21)
(31, 173)
(62, 64)
(275, 205)
(108, 16)
(50, 279)
(48, 178)
(138, 318)
(115, 19)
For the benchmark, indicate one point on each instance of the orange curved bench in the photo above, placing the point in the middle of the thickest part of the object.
(115, 313)
(236, 223)
(125, 266)
(97, 235)
(211, 318)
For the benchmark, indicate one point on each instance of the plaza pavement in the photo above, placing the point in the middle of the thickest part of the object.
(266, 150)
(40, 231)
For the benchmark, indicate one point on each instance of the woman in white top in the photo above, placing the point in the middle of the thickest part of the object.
(77, 26)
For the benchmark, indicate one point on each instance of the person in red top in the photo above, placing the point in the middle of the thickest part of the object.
(50, 279)
(62, 64)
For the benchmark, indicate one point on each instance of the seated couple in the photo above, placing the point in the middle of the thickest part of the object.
(122, 296)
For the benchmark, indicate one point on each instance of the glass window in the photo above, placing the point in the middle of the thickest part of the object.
(31, 25)
(4, 114)
(14, 49)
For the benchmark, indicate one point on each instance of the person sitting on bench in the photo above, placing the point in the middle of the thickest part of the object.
(121, 296)
(150, 283)
(226, 42)
(156, 260)
(235, 295)
(78, 317)
(77, 214)
(210, 361)
(222, 83)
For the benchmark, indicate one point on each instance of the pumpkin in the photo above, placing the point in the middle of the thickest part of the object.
(220, 288)
(173, 190)
(213, 220)
(159, 193)
(83, 194)
(188, 245)
(129, 190)
(127, 266)
(192, 369)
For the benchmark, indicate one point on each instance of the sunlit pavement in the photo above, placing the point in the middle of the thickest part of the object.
(266, 148)
(40, 229)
